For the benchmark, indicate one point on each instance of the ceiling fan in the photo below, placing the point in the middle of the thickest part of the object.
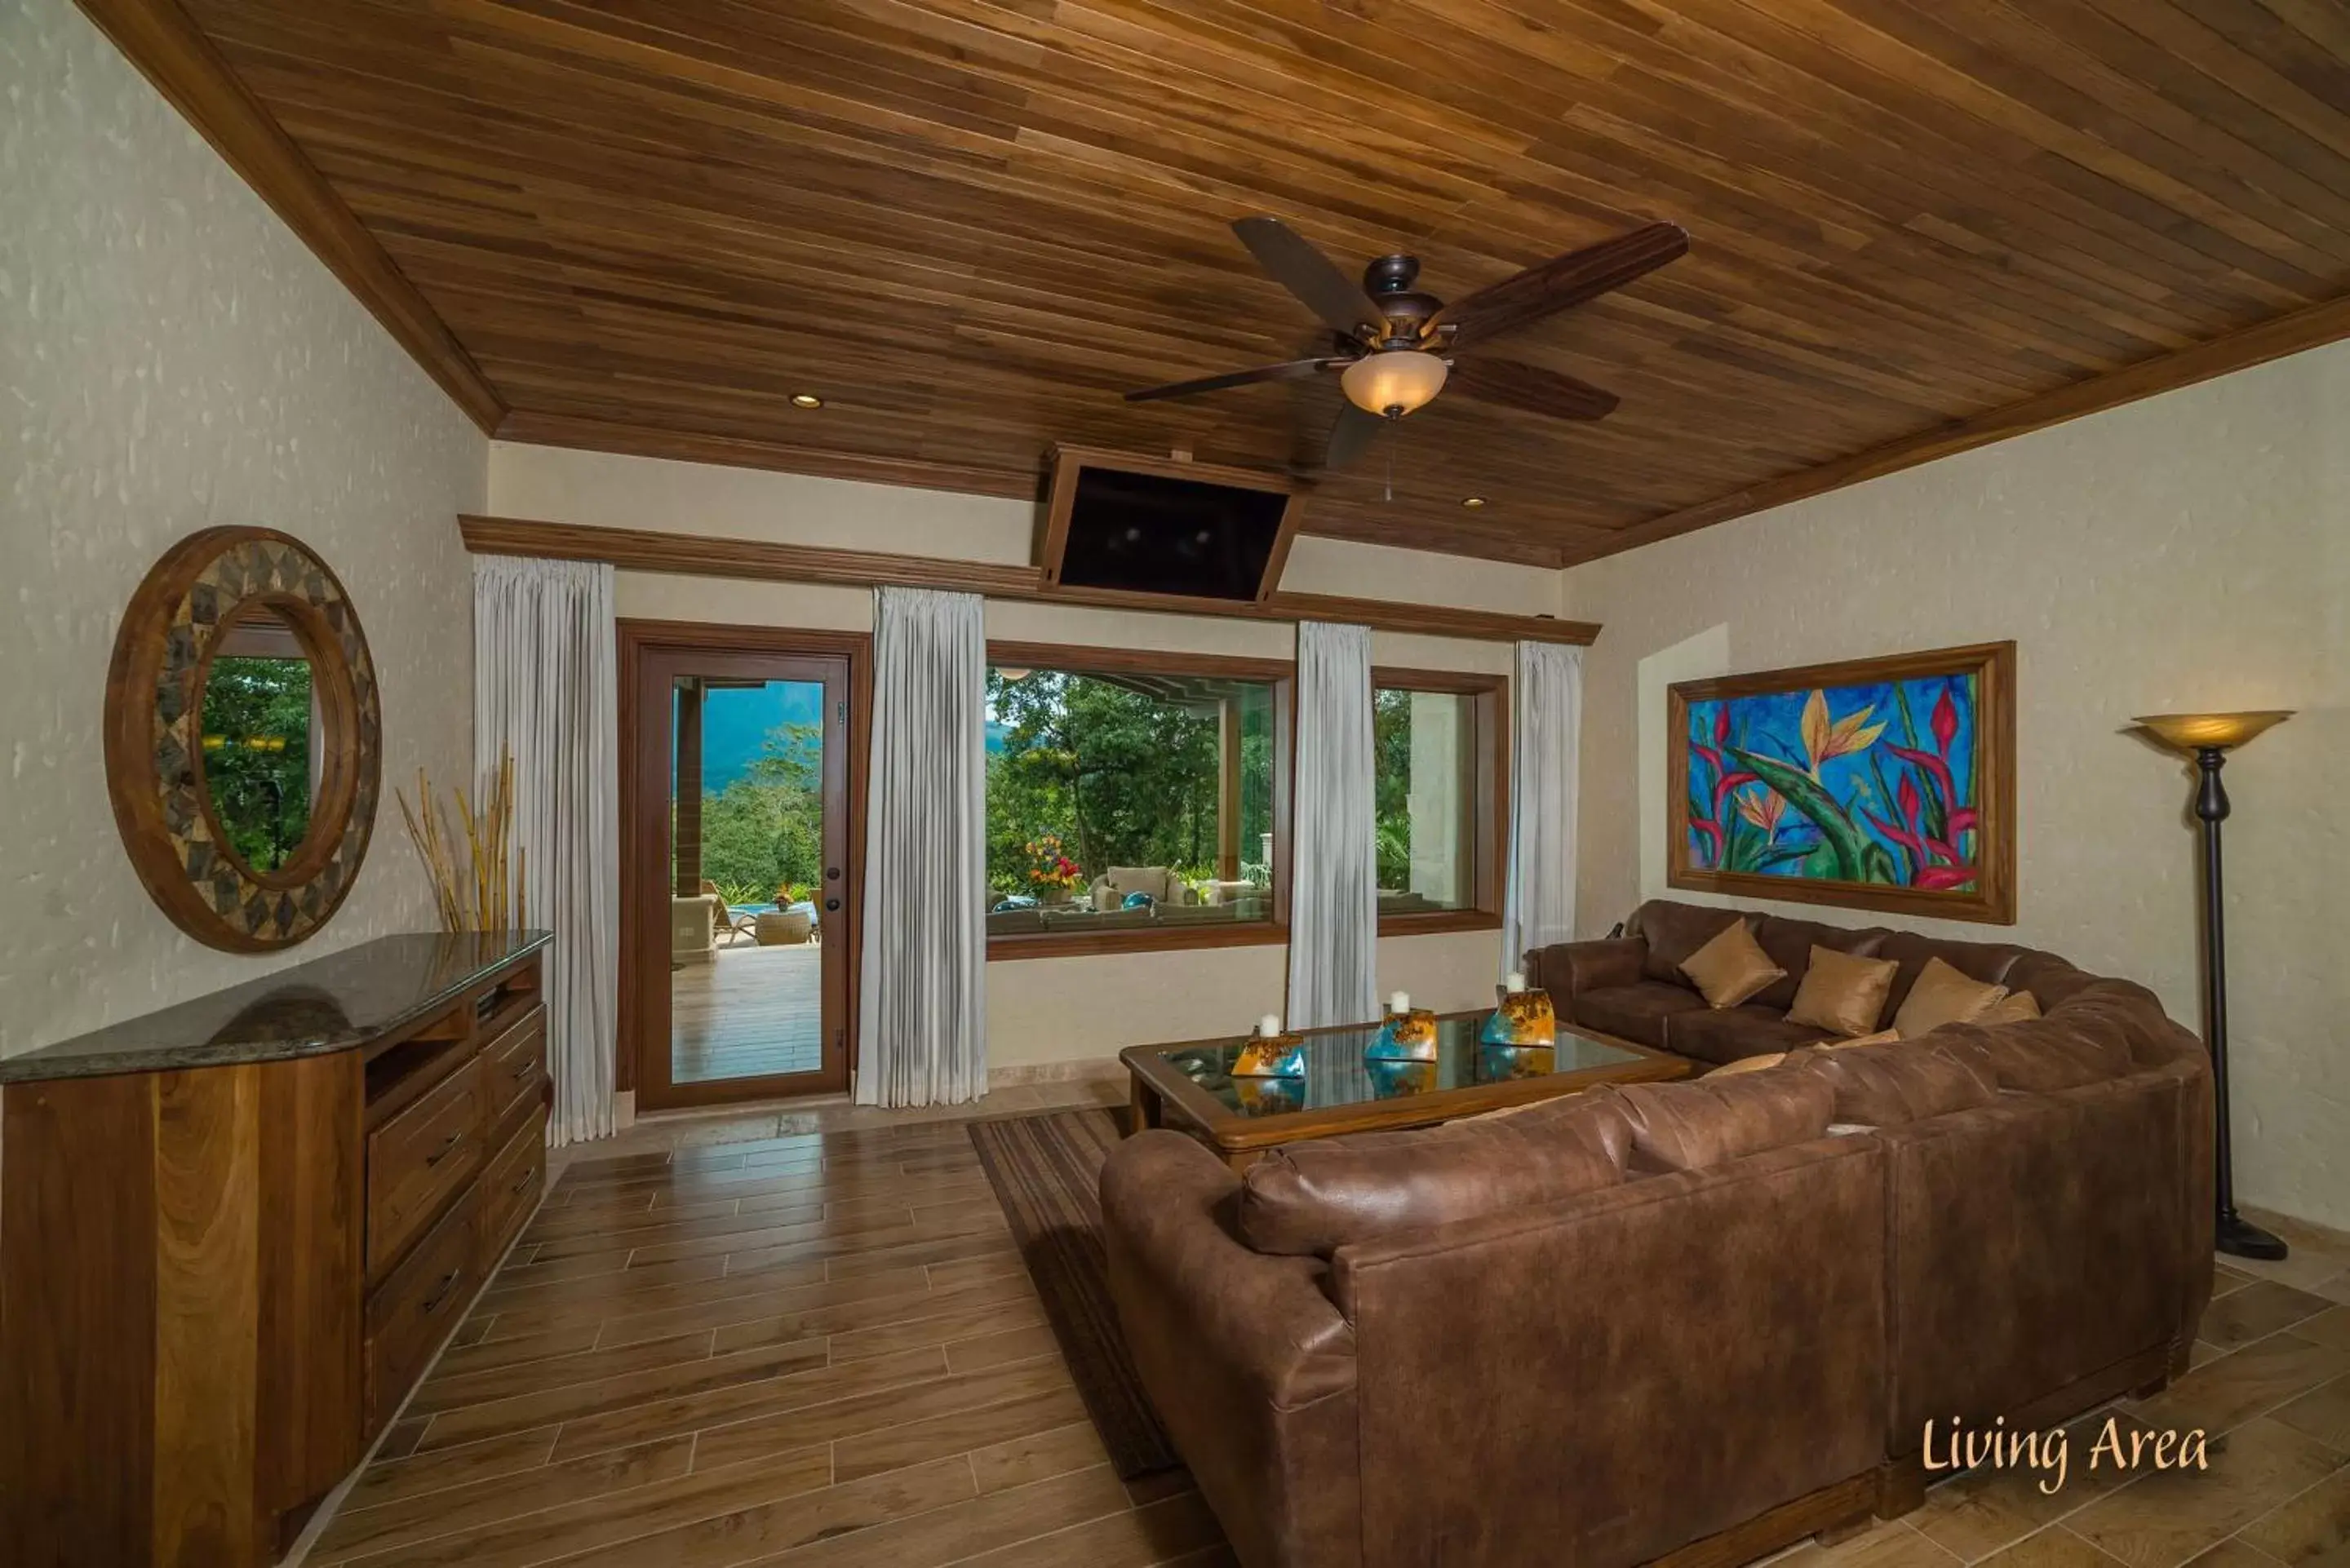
(1395, 347)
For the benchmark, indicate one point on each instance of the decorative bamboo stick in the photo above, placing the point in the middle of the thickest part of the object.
(478, 886)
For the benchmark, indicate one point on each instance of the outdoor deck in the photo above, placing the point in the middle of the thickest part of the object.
(751, 1012)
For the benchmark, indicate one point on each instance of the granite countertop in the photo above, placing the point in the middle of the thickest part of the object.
(313, 1009)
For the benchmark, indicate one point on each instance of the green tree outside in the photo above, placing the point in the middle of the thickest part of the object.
(762, 834)
(256, 748)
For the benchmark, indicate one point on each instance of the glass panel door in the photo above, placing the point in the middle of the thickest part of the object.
(750, 892)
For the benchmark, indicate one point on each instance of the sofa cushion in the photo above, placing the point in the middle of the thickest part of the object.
(1790, 944)
(1731, 967)
(1893, 1084)
(1685, 1126)
(1674, 931)
(2050, 979)
(1635, 1012)
(1843, 993)
(1725, 1035)
(2046, 1055)
(1940, 995)
(1319, 1195)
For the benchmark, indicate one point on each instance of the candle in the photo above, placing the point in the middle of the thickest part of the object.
(1516, 982)
(1269, 1025)
(1400, 1002)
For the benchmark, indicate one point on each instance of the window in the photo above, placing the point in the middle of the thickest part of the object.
(1439, 782)
(1131, 799)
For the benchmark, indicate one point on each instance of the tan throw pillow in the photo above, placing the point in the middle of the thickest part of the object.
(1843, 991)
(1942, 995)
(1748, 1065)
(1731, 967)
(2017, 1007)
(1882, 1037)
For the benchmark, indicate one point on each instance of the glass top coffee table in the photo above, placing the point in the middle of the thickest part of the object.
(1192, 1086)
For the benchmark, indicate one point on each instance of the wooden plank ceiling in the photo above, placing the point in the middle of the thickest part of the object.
(969, 225)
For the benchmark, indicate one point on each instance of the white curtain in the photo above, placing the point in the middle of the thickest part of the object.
(1548, 725)
(921, 1036)
(544, 688)
(1334, 901)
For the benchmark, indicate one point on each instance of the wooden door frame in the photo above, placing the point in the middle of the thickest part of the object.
(638, 1031)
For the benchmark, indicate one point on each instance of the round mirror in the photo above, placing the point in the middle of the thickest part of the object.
(242, 738)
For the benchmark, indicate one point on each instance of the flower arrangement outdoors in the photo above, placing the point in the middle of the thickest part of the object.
(1050, 873)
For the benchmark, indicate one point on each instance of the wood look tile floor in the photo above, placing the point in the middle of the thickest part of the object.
(818, 1348)
(804, 1337)
(2270, 1384)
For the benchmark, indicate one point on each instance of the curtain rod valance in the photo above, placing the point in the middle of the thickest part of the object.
(712, 556)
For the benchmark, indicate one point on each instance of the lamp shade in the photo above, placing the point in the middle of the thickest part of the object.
(2200, 732)
(1394, 381)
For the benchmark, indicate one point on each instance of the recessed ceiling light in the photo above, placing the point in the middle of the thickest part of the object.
(807, 400)
(1473, 502)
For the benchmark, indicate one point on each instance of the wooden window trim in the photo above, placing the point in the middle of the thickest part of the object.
(1489, 752)
(1279, 674)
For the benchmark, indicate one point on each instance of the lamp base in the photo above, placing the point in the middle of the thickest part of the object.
(2239, 1237)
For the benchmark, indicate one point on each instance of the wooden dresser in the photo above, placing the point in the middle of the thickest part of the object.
(235, 1234)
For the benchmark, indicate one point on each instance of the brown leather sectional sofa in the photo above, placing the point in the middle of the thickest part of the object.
(1607, 1328)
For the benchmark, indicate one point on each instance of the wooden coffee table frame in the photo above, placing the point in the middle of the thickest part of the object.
(1164, 1097)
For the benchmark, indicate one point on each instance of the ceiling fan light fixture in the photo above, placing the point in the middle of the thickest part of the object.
(807, 400)
(1473, 502)
(1393, 382)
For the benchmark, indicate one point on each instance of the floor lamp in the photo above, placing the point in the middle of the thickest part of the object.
(2209, 737)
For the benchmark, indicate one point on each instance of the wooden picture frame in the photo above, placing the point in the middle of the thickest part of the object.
(1873, 784)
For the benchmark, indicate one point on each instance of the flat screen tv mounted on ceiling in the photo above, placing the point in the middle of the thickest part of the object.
(1119, 524)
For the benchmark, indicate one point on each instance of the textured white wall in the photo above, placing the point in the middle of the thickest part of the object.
(1038, 1010)
(173, 357)
(2188, 552)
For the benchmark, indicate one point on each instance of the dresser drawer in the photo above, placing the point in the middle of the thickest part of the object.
(418, 1159)
(511, 1186)
(416, 1306)
(514, 1065)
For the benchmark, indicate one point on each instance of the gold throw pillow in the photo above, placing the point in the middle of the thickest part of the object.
(2014, 1008)
(1843, 991)
(1731, 967)
(1882, 1037)
(1942, 995)
(1748, 1065)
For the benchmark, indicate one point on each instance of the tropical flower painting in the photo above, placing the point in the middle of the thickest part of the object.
(1847, 782)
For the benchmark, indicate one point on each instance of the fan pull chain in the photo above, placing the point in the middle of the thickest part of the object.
(1390, 471)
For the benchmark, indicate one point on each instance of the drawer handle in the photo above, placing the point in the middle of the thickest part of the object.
(446, 1149)
(440, 1294)
(520, 1182)
(523, 1071)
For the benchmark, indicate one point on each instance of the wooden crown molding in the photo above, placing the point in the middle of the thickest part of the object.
(165, 45)
(2311, 327)
(709, 555)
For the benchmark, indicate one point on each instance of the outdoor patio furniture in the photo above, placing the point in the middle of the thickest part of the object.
(784, 928)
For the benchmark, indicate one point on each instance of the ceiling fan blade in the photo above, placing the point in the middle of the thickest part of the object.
(1528, 386)
(1290, 370)
(1309, 275)
(1561, 282)
(1351, 436)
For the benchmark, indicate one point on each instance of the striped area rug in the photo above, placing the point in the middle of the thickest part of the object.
(1046, 1172)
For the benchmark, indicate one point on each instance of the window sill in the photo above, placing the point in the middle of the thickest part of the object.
(1078, 944)
(1438, 922)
